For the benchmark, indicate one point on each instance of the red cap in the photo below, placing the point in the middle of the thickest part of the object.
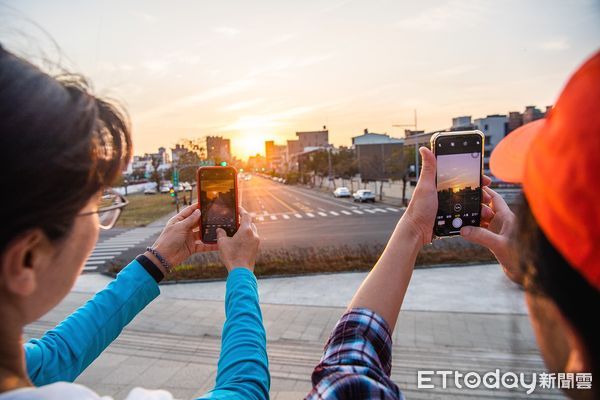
(557, 159)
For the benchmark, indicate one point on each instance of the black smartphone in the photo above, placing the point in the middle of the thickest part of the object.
(459, 179)
(217, 201)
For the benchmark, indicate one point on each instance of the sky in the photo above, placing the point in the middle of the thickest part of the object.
(263, 70)
(458, 171)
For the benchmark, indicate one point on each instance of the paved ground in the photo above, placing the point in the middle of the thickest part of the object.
(467, 318)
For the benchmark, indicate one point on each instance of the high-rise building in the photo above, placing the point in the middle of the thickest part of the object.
(218, 149)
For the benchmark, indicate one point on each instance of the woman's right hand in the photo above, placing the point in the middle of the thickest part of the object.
(241, 249)
(495, 232)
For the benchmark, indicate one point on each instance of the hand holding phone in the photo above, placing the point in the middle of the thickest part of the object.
(217, 201)
(459, 177)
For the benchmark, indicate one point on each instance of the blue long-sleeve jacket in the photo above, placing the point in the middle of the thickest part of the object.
(65, 351)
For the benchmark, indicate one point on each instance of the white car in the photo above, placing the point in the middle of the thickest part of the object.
(150, 189)
(363, 195)
(342, 192)
(165, 188)
(187, 186)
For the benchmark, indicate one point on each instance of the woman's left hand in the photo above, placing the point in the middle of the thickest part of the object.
(178, 240)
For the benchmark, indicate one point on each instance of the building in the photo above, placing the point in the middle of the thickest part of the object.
(379, 156)
(257, 163)
(218, 149)
(313, 139)
(275, 155)
(494, 127)
(178, 152)
(515, 120)
(531, 114)
(463, 122)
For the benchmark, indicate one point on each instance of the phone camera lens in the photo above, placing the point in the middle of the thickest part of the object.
(452, 144)
(465, 143)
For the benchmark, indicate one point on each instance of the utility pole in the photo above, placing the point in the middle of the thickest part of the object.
(414, 124)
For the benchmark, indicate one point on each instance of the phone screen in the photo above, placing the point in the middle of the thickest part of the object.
(218, 202)
(458, 182)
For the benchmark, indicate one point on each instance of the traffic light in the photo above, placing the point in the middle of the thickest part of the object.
(223, 163)
(172, 192)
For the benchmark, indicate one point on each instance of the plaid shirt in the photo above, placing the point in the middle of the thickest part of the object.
(357, 361)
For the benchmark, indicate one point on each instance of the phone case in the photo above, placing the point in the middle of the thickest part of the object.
(432, 142)
(237, 197)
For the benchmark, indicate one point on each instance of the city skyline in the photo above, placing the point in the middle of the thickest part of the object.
(199, 69)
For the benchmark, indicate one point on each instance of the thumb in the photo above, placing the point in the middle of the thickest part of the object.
(482, 236)
(192, 220)
(428, 170)
(221, 233)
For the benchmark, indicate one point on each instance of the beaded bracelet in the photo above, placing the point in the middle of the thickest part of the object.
(162, 260)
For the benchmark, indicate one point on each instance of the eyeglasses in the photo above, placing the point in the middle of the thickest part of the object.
(109, 208)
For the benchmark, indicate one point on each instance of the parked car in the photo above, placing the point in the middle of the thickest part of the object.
(150, 190)
(187, 186)
(342, 191)
(165, 188)
(363, 195)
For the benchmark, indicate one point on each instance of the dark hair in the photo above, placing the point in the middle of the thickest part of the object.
(547, 273)
(60, 145)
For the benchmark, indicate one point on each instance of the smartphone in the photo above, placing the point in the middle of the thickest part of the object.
(217, 201)
(458, 178)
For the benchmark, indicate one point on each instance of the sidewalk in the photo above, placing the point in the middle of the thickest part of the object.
(465, 318)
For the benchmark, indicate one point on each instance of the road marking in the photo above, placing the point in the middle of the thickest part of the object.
(346, 212)
(285, 216)
(110, 248)
(380, 210)
(392, 209)
(333, 213)
(357, 212)
(322, 214)
(90, 268)
(369, 211)
(98, 258)
(297, 215)
(95, 262)
(283, 203)
(105, 253)
(311, 215)
(273, 218)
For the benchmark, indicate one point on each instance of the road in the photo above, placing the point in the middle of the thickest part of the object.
(288, 216)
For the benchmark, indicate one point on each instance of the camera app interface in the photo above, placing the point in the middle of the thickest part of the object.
(217, 202)
(458, 183)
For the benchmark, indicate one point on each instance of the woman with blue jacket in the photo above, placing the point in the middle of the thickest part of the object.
(68, 146)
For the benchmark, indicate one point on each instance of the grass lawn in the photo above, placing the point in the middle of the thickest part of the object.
(301, 261)
(143, 209)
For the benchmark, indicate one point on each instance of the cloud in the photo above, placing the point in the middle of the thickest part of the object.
(197, 98)
(457, 70)
(227, 31)
(149, 18)
(555, 44)
(242, 105)
(264, 121)
(452, 13)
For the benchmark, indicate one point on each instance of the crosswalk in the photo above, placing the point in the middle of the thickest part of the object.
(265, 216)
(113, 247)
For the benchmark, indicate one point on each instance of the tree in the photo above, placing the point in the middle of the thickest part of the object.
(319, 166)
(345, 164)
(398, 167)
